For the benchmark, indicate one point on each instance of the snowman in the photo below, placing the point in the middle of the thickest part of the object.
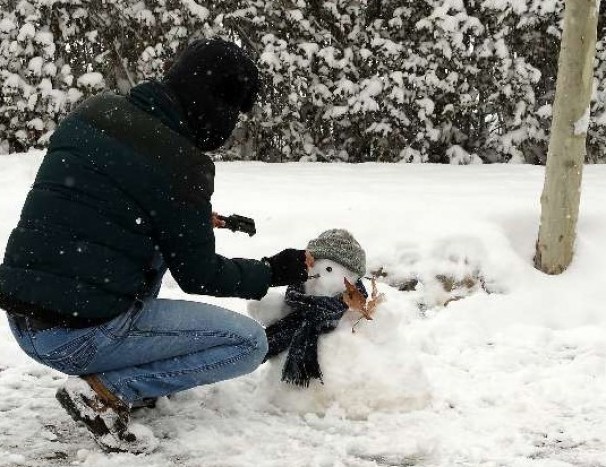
(315, 363)
(337, 256)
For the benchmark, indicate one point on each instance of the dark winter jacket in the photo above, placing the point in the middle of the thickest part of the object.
(122, 194)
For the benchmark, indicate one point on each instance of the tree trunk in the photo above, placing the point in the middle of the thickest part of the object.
(567, 145)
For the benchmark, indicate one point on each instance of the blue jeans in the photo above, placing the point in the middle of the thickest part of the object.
(155, 349)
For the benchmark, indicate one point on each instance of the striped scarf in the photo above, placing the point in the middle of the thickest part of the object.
(299, 332)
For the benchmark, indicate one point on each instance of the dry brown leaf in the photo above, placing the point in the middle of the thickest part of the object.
(354, 299)
(375, 300)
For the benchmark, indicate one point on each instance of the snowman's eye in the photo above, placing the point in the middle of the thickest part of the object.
(329, 269)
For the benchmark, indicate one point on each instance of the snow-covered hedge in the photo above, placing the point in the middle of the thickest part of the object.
(356, 80)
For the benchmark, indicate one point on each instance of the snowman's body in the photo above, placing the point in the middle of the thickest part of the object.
(353, 365)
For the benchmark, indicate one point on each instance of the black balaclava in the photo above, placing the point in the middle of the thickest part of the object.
(214, 81)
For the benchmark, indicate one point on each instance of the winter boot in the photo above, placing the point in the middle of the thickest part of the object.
(88, 401)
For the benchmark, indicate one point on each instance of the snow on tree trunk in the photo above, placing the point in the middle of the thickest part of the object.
(567, 146)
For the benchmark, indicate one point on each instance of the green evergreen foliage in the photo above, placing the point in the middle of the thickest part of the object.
(447, 81)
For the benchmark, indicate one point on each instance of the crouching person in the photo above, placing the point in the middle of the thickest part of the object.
(123, 195)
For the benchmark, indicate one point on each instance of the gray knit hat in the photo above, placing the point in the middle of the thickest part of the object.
(340, 246)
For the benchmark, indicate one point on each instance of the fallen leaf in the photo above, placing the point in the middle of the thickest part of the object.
(353, 298)
(356, 301)
(375, 300)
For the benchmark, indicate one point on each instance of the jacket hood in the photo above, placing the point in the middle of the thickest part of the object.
(157, 99)
(214, 81)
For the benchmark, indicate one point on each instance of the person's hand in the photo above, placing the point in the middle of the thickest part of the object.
(289, 267)
(309, 260)
(216, 221)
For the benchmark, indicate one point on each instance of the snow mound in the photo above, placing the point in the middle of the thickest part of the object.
(446, 269)
(366, 371)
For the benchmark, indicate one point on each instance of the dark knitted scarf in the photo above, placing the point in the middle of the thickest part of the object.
(299, 331)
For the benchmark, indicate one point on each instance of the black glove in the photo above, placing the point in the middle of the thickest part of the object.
(287, 267)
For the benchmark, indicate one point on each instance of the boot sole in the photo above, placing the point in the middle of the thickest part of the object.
(98, 429)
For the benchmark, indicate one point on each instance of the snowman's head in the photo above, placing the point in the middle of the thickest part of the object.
(327, 278)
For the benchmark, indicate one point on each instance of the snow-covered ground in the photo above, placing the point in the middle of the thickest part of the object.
(511, 374)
